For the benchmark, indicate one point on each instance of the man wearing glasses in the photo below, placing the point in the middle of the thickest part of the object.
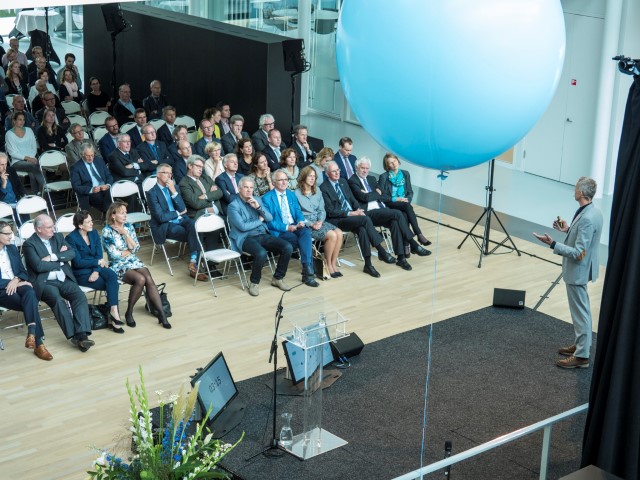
(74, 148)
(50, 104)
(16, 293)
(260, 138)
(169, 218)
(207, 137)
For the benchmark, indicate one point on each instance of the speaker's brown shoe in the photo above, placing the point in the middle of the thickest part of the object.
(573, 362)
(568, 351)
(202, 277)
(30, 342)
(42, 353)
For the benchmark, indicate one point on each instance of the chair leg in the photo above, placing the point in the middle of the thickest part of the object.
(167, 259)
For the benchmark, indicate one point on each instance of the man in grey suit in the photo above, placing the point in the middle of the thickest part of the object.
(47, 256)
(579, 266)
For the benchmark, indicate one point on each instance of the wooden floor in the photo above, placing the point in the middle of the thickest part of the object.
(55, 412)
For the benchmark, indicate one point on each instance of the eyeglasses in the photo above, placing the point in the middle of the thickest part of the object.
(281, 180)
(269, 124)
(166, 173)
(6, 233)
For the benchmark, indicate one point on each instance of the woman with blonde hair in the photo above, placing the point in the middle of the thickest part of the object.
(213, 164)
(322, 157)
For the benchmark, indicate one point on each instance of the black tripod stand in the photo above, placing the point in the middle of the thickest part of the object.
(488, 212)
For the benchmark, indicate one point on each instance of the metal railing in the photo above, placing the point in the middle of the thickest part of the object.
(545, 425)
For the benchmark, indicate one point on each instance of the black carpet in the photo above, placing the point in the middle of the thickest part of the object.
(492, 372)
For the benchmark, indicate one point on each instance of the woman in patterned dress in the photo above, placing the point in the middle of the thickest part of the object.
(121, 243)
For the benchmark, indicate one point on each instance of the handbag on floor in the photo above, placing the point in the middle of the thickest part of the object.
(320, 265)
(166, 306)
(98, 318)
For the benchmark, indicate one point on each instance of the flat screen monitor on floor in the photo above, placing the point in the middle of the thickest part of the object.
(218, 391)
(295, 357)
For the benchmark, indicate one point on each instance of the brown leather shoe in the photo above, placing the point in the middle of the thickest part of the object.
(30, 342)
(202, 277)
(568, 351)
(42, 353)
(573, 362)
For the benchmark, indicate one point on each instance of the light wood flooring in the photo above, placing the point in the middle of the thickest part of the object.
(53, 413)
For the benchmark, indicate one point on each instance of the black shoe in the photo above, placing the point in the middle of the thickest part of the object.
(371, 271)
(130, 321)
(116, 329)
(164, 323)
(335, 275)
(310, 282)
(420, 251)
(423, 240)
(386, 257)
(115, 321)
(85, 344)
(402, 263)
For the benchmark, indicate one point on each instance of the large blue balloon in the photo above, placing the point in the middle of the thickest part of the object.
(449, 84)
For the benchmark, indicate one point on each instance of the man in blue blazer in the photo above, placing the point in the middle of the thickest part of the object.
(109, 142)
(288, 222)
(91, 180)
(580, 265)
(248, 233)
(229, 181)
(151, 149)
(169, 217)
(207, 137)
(344, 159)
(16, 293)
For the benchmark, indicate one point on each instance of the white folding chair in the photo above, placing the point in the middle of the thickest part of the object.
(9, 99)
(209, 224)
(6, 213)
(192, 137)
(31, 204)
(71, 107)
(24, 233)
(51, 161)
(64, 223)
(79, 119)
(127, 126)
(157, 123)
(98, 133)
(85, 136)
(147, 184)
(127, 188)
(98, 118)
(187, 121)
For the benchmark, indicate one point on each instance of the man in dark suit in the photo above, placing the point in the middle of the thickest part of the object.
(180, 164)
(365, 188)
(152, 150)
(16, 293)
(75, 147)
(207, 137)
(11, 188)
(230, 140)
(126, 106)
(165, 132)
(47, 256)
(179, 134)
(169, 217)
(300, 144)
(140, 118)
(91, 180)
(273, 150)
(229, 180)
(580, 265)
(125, 162)
(260, 138)
(344, 211)
(344, 159)
(155, 102)
(109, 142)
(198, 191)
(50, 104)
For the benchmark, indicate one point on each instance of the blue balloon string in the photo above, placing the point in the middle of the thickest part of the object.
(442, 176)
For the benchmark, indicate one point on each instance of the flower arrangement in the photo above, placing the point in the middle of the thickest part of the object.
(167, 453)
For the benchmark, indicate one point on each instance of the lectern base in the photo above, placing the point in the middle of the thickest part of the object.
(314, 443)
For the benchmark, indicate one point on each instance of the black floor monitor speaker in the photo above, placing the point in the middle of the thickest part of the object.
(293, 52)
(347, 347)
(114, 18)
(503, 297)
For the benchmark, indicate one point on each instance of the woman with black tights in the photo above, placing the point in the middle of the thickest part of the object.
(120, 241)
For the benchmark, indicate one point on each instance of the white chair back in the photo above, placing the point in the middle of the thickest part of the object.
(31, 204)
(187, 121)
(149, 182)
(26, 230)
(127, 126)
(124, 188)
(79, 119)
(98, 133)
(209, 223)
(52, 158)
(97, 119)
(9, 99)
(157, 123)
(64, 224)
(6, 211)
(192, 137)
(71, 106)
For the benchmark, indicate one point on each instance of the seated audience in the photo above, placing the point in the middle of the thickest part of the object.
(395, 187)
(47, 255)
(38, 65)
(228, 181)
(12, 55)
(345, 160)
(300, 145)
(344, 211)
(90, 268)
(273, 150)
(19, 105)
(125, 106)
(50, 104)
(16, 293)
(320, 162)
(155, 103)
(14, 45)
(244, 152)
(214, 115)
(74, 148)
(260, 138)
(207, 137)
(36, 92)
(140, 119)
(312, 206)
(165, 132)
(200, 194)
(21, 146)
(50, 136)
(69, 87)
(288, 161)
(213, 163)
(121, 244)
(225, 115)
(248, 233)
(152, 150)
(261, 175)
(16, 83)
(288, 223)
(91, 180)
(169, 218)
(179, 134)
(109, 142)
(11, 187)
(230, 139)
(69, 64)
(180, 164)
(97, 100)
(125, 162)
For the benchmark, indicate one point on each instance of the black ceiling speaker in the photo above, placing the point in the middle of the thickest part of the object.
(114, 18)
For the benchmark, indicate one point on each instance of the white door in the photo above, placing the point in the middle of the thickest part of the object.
(559, 147)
